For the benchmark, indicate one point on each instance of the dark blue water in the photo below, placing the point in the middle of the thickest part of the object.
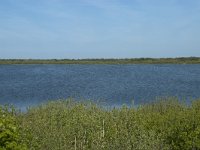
(25, 85)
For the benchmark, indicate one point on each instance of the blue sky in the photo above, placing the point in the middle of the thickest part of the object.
(99, 28)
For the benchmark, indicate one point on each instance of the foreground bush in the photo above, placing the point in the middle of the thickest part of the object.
(68, 125)
(9, 134)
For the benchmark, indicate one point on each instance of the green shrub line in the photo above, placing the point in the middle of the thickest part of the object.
(178, 60)
(166, 124)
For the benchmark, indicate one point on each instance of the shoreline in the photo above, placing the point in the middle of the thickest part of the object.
(179, 60)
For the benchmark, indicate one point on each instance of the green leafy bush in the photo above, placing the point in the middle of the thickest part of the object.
(9, 136)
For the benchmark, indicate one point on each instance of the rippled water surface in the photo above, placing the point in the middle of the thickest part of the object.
(25, 85)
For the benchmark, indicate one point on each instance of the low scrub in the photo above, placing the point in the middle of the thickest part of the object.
(68, 125)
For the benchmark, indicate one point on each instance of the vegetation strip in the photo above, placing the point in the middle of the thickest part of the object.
(163, 125)
(180, 60)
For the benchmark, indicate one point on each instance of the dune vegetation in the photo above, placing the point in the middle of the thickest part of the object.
(179, 60)
(167, 124)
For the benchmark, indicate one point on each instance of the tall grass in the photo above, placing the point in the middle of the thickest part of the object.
(69, 125)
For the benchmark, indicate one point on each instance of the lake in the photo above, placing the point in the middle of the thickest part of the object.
(25, 85)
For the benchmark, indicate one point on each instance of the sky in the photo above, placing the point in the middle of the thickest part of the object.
(72, 29)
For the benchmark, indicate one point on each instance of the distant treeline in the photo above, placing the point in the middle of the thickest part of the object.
(179, 60)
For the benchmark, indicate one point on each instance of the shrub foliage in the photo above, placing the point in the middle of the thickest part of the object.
(68, 125)
(9, 132)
